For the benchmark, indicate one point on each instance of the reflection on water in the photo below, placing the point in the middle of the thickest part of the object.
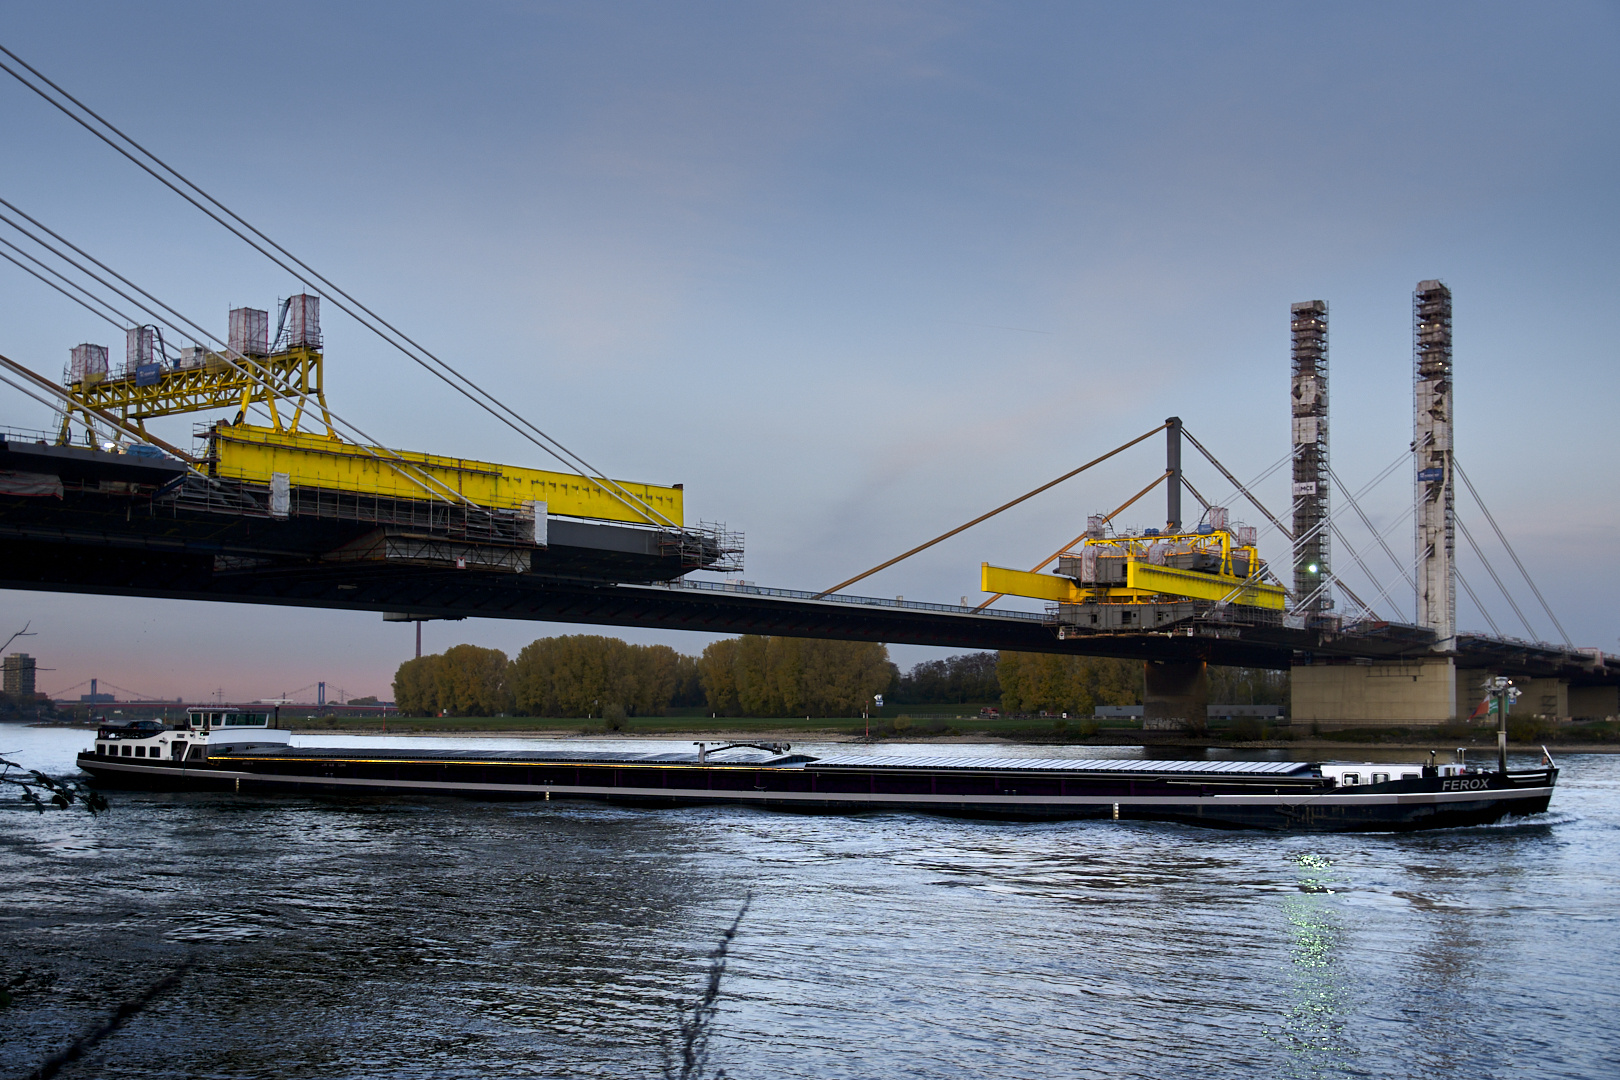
(1313, 1028)
(442, 938)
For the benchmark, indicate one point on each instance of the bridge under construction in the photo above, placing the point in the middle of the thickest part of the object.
(289, 512)
(282, 500)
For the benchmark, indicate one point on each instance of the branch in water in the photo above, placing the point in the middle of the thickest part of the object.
(63, 793)
(695, 1026)
(88, 1041)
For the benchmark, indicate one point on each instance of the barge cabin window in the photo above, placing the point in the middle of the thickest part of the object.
(204, 720)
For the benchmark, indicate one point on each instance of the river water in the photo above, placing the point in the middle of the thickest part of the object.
(415, 937)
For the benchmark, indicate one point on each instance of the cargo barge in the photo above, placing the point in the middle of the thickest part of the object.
(241, 751)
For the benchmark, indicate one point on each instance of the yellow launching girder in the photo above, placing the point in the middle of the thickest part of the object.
(1143, 582)
(251, 453)
(1146, 578)
(286, 383)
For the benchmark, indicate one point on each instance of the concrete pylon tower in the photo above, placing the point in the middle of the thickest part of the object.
(1432, 446)
(1309, 407)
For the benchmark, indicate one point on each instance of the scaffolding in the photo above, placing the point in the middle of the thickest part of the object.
(1308, 327)
(1435, 542)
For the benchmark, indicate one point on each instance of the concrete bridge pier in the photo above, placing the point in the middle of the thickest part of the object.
(1430, 691)
(1407, 693)
(1175, 696)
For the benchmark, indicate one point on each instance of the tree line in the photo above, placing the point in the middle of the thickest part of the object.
(586, 675)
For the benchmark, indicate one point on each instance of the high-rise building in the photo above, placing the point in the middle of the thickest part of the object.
(19, 675)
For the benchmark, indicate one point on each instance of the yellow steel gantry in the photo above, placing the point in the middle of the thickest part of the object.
(289, 378)
(1232, 576)
(289, 384)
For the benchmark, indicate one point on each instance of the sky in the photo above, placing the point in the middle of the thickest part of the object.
(856, 273)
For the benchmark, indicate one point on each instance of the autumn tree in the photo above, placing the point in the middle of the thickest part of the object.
(1050, 682)
(586, 674)
(415, 692)
(462, 681)
(780, 676)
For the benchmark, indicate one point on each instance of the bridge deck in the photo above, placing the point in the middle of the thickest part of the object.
(116, 542)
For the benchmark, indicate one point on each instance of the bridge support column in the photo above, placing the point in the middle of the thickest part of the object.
(1175, 696)
(1594, 702)
(1542, 697)
(1409, 693)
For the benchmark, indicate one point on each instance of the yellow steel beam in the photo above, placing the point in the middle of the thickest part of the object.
(252, 453)
(999, 579)
(1199, 586)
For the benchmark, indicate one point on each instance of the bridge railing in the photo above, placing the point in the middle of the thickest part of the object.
(841, 598)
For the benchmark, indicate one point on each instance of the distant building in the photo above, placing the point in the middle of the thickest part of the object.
(19, 674)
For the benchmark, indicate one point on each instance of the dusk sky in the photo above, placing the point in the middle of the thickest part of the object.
(855, 273)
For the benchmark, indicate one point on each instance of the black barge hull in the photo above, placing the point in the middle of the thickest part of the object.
(1284, 796)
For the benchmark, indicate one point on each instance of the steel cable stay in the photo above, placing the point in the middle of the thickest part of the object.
(1368, 486)
(1236, 483)
(186, 327)
(1365, 520)
(161, 179)
(1491, 570)
(987, 516)
(140, 435)
(1241, 489)
(89, 304)
(134, 694)
(1355, 557)
(1469, 589)
(127, 322)
(70, 689)
(1278, 525)
(1514, 555)
(1044, 563)
(1383, 593)
(19, 387)
(432, 363)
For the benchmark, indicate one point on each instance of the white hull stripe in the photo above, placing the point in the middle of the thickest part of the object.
(748, 795)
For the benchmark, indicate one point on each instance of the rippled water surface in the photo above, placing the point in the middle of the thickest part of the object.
(417, 937)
